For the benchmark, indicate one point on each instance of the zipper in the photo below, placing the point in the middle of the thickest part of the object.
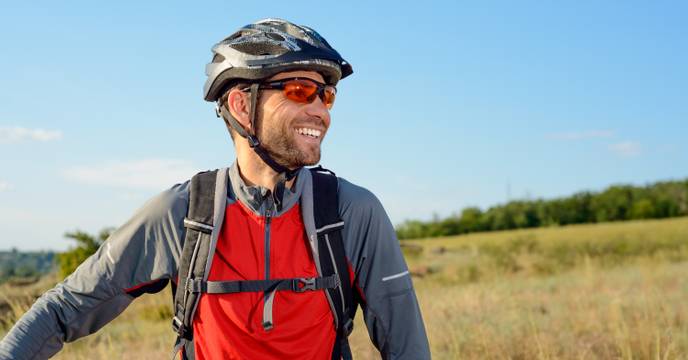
(268, 219)
(267, 295)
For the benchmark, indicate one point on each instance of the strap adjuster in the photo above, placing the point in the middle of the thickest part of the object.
(303, 284)
(194, 285)
(348, 327)
(178, 326)
(253, 141)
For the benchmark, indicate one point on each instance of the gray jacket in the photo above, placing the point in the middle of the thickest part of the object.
(148, 247)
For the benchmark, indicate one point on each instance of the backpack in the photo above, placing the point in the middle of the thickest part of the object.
(198, 252)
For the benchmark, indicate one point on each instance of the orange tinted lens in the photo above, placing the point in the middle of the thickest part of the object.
(329, 94)
(300, 91)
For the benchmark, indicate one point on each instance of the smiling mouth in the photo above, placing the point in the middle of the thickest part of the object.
(312, 133)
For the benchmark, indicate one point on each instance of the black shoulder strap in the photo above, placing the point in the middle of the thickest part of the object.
(332, 256)
(199, 226)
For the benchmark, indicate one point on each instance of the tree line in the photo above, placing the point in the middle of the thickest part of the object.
(19, 265)
(16, 264)
(616, 203)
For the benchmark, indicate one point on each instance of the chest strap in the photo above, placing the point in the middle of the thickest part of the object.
(294, 284)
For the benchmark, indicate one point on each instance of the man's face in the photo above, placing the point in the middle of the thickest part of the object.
(283, 125)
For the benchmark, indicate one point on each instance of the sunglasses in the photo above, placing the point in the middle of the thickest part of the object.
(302, 90)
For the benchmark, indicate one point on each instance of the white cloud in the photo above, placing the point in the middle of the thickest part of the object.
(626, 148)
(9, 135)
(4, 186)
(581, 135)
(155, 174)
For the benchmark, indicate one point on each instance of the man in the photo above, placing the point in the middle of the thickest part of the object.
(257, 273)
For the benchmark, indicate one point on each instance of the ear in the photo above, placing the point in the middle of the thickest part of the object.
(239, 106)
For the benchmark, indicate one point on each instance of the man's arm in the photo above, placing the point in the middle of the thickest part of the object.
(389, 303)
(139, 257)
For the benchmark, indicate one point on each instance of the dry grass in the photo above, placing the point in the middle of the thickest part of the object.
(631, 312)
(612, 303)
(143, 331)
(16, 298)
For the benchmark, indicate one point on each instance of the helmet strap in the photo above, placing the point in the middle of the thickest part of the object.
(285, 174)
(254, 104)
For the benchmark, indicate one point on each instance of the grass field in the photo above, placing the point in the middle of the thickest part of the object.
(605, 291)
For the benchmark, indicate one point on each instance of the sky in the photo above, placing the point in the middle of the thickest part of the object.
(451, 104)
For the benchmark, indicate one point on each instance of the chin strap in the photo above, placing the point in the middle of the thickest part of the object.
(285, 174)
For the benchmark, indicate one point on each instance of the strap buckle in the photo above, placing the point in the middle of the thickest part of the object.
(303, 284)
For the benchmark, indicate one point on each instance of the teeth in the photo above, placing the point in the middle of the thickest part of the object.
(309, 132)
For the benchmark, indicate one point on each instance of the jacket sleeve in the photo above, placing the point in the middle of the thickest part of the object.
(137, 256)
(389, 302)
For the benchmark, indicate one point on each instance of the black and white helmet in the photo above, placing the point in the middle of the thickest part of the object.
(270, 46)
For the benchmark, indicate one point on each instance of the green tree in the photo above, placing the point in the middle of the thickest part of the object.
(411, 229)
(642, 209)
(613, 204)
(471, 220)
(86, 245)
(616, 203)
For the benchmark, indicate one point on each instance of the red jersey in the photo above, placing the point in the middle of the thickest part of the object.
(252, 247)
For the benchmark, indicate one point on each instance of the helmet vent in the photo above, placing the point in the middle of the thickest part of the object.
(275, 36)
(258, 49)
(236, 35)
(218, 58)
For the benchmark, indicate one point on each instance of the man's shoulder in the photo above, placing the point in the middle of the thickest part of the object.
(174, 200)
(175, 194)
(357, 199)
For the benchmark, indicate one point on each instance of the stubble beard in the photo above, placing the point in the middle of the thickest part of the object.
(281, 143)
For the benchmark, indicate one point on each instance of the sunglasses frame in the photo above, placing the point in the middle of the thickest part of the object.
(281, 84)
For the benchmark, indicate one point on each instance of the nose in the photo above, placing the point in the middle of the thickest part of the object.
(318, 109)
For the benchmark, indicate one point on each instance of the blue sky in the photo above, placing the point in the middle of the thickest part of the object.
(451, 104)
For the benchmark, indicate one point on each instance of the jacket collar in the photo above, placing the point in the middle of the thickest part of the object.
(257, 198)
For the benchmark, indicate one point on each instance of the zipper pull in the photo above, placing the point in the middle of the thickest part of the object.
(268, 206)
